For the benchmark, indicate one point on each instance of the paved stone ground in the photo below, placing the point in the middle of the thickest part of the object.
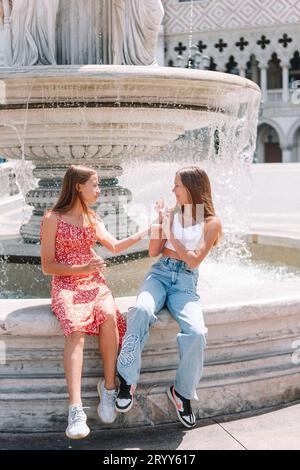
(272, 429)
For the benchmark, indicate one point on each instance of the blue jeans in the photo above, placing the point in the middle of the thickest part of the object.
(172, 283)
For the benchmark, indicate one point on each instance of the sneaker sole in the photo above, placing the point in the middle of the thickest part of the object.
(74, 438)
(99, 394)
(124, 410)
(189, 426)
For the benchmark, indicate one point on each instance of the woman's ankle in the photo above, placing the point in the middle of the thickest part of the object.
(75, 402)
(109, 385)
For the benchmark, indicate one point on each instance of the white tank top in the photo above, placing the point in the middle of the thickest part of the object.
(189, 236)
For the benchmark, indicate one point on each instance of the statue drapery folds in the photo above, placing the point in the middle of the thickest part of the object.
(135, 29)
(126, 31)
(33, 31)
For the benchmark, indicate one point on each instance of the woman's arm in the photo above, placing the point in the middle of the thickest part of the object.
(117, 246)
(49, 266)
(194, 258)
(156, 246)
(157, 241)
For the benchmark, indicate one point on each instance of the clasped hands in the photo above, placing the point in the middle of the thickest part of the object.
(162, 228)
(96, 264)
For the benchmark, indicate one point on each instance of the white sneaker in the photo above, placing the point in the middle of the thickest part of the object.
(77, 427)
(106, 408)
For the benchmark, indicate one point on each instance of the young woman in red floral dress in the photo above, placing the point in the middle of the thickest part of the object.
(81, 299)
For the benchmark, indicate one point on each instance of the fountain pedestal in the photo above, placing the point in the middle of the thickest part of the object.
(112, 208)
(248, 365)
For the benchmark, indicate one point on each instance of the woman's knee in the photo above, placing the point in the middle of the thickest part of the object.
(110, 311)
(111, 318)
(144, 313)
(77, 337)
(198, 335)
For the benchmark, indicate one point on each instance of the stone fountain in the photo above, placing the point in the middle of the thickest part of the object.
(55, 115)
(85, 88)
(58, 107)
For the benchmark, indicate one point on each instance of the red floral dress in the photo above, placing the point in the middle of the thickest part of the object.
(77, 299)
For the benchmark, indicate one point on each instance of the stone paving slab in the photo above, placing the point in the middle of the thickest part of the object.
(277, 430)
(272, 430)
(206, 435)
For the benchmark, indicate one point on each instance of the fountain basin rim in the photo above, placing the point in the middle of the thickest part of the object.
(274, 239)
(10, 242)
(33, 317)
(110, 72)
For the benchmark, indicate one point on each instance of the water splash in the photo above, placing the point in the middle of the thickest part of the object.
(22, 169)
(224, 148)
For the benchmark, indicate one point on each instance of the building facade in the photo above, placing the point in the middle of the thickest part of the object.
(257, 39)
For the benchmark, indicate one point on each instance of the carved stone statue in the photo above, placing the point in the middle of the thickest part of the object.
(135, 29)
(79, 32)
(33, 31)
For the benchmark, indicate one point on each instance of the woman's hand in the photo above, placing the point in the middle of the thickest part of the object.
(161, 207)
(96, 264)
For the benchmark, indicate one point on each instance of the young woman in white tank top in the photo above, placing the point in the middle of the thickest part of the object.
(184, 237)
(189, 235)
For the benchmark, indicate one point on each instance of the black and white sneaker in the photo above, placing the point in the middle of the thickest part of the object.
(124, 401)
(183, 408)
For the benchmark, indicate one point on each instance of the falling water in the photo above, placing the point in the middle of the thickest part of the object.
(223, 148)
(191, 26)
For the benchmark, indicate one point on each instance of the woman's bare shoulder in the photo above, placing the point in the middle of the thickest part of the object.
(96, 219)
(50, 217)
(213, 222)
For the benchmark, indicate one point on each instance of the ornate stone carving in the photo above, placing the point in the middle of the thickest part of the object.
(112, 206)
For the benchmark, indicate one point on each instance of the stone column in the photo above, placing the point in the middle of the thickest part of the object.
(254, 71)
(287, 153)
(160, 54)
(241, 66)
(264, 82)
(285, 82)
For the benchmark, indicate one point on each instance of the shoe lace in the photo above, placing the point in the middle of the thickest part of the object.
(124, 391)
(78, 415)
(187, 407)
(109, 398)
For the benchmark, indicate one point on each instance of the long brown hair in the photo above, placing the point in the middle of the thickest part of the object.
(196, 182)
(76, 174)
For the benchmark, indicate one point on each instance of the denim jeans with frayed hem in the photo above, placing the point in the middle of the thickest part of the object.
(172, 283)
